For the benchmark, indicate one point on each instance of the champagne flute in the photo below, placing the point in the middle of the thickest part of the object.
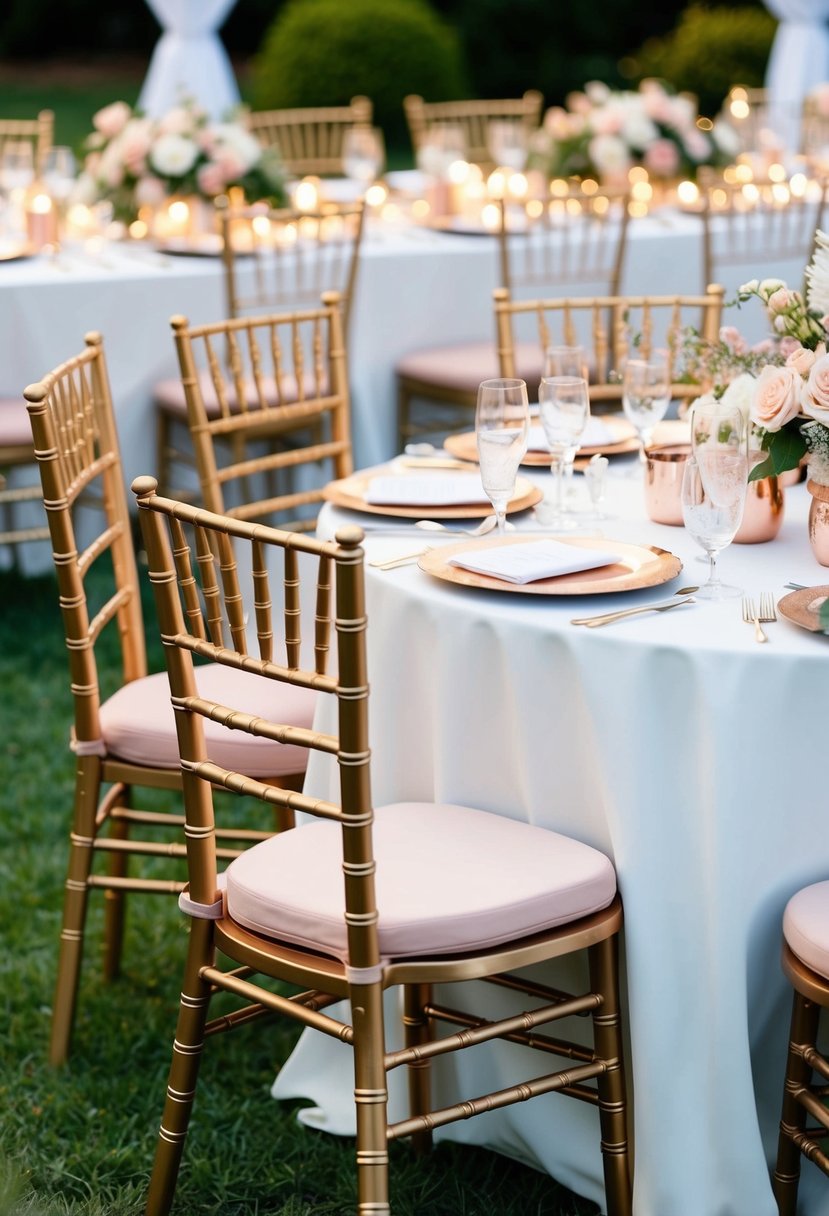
(713, 496)
(564, 403)
(646, 394)
(502, 423)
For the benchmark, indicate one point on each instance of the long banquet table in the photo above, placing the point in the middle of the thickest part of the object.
(416, 287)
(689, 753)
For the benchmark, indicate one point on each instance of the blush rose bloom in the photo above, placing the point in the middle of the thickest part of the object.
(815, 397)
(211, 179)
(802, 360)
(112, 119)
(662, 158)
(776, 397)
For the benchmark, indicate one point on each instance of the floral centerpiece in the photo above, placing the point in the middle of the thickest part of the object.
(133, 161)
(603, 133)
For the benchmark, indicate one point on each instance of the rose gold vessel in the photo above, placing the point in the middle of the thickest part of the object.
(819, 521)
(665, 464)
(763, 513)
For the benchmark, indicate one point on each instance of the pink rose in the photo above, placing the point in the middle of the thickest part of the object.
(780, 301)
(787, 346)
(211, 179)
(112, 119)
(776, 397)
(135, 144)
(802, 360)
(230, 164)
(815, 398)
(733, 339)
(662, 158)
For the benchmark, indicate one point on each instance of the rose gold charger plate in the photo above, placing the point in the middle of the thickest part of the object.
(637, 566)
(16, 253)
(464, 446)
(349, 492)
(803, 607)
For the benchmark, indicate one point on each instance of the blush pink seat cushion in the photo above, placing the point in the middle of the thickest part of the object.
(449, 879)
(137, 722)
(15, 430)
(806, 926)
(463, 367)
(169, 394)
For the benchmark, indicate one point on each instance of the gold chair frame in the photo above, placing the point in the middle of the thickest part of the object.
(298, 409)
(37, 131)
(78, 456)
(614, 322)
(804, 1094)
(473, 117)
(309, 140)
(167, 526)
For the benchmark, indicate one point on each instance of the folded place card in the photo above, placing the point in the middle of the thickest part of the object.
(595, 434)
(528, 562)
(425, 490)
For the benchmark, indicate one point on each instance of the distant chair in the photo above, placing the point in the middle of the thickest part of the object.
(39, 132)
(473, 118)
(814, 129)
(743, 225)
(576, 243)
(310, 141)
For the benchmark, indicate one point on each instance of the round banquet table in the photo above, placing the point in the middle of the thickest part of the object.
(687, 752)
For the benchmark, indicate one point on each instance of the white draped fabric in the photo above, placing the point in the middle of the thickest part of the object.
(189, 59)
(799, 60)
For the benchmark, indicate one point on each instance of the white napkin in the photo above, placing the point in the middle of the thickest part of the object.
(442, 489)
(531, 561)
(595, 434)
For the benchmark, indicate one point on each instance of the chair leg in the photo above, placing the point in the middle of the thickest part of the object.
(371, 1100)
(417, 1029)
(604, 979)
(184, 1070)
(786, 1177)
(115, 901)
(76, 895)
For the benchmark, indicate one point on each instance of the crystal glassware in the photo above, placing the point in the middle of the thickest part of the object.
(565, 361)
(502, 422)
(713, 495)
(507, 143)
(646, 394)
(363, 154)
(564, 405)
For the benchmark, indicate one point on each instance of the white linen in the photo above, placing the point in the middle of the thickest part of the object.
(595, 434)
(425, 490)
(667, 741)
(798, 61)
(529, 562)
(189, 59)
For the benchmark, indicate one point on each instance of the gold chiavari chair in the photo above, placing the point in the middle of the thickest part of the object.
(473, 118)
(127, 739)
(39, 132)
(608, 327)
(806, 966)
(814, 130)
(280, 375)
(273, 260)
(310, 141)
(575, 239)
(303, 907)
(760, 221)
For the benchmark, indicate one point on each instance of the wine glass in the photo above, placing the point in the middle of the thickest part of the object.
(17, 165)
(564, 404)
(646, 394)
(364, 154)
(565, 361)
(59, 173)
(507, 144)
(713, 496)
(502, 423)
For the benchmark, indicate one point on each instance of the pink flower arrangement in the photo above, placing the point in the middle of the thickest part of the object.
(604, 133)
(132, 160)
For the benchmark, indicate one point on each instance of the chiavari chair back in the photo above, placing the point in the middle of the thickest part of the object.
(611, 329)
(126, 739)
(473, 118)
(310, 140)
(39, 132)
(340, 907)
(278, 376)
(573, 239)
(758, 219)
(814, 129)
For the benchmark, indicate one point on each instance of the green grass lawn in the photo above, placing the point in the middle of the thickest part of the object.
(80, 1141)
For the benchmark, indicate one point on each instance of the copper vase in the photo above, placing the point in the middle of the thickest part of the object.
(763, 512)
(665, 465)
(819, 521)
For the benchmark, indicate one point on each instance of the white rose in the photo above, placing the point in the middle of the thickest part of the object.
(173, 155)
(749, 288)
(638, 130)
(246, 146)
(609, 154)
(769, 286)
(740, 393)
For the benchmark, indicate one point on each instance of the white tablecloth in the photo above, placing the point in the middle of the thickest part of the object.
(689, 753)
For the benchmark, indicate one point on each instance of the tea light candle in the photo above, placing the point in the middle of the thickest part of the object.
(41, 220)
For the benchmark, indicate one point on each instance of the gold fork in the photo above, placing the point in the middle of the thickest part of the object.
(768, 612)
(752, 618)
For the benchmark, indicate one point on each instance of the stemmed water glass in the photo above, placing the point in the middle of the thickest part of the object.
(646, 394)
(502, 423)
(564, 404)
(714, 490)
(565, 361)
(363, 154)
(507, 142)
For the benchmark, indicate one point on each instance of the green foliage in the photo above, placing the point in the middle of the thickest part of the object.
(710, 50)
(786, 448)
(324, 52)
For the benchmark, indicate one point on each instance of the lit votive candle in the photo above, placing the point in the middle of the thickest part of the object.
(41, 220)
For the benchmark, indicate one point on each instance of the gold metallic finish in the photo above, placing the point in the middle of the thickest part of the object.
(182, 618)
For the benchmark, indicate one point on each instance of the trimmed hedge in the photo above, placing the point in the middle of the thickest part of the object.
(324, 52)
